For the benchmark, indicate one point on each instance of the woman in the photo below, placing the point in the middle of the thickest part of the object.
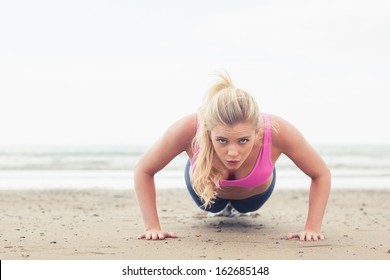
(232, 150)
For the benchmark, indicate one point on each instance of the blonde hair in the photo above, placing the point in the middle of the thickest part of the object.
(223, 104)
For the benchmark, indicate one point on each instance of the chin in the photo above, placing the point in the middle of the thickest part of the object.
(232, 168)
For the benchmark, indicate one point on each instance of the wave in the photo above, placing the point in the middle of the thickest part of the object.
(48, 167)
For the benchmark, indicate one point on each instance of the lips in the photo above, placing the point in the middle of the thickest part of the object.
(233, 162)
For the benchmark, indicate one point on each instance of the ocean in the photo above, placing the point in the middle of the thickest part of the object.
(359, 167)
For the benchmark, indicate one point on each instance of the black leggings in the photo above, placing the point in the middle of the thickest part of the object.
(245, 205)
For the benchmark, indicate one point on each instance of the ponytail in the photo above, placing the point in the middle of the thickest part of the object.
(223, 104)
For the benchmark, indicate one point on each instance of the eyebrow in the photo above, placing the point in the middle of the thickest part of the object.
(225, 138)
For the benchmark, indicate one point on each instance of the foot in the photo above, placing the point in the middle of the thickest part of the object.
(228, 211)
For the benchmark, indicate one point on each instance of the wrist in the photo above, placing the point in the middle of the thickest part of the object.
(313, 228)
(153, 228)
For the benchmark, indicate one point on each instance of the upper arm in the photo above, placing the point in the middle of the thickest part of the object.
(176, 139)
(289, 141)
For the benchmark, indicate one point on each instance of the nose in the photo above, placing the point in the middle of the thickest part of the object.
(232, 151)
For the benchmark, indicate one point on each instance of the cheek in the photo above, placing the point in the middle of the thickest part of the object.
(247, 150)
(217, 148)
(220, 150)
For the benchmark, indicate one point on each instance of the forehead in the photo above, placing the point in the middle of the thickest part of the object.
(242, 129)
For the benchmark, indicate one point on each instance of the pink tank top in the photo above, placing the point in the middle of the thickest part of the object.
(263, 167)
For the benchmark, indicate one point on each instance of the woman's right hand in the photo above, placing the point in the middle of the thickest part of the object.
(156, 235)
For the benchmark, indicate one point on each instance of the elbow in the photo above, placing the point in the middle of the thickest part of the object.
(141, 168)
(141, 174)
(326, 177)
(326, 173)
(137, 170)
(323, 177)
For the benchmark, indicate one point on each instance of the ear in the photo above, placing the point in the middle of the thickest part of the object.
(259, 135)
(209, 134)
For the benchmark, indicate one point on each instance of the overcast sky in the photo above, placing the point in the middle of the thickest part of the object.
(110, 72)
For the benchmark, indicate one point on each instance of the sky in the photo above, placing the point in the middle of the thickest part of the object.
(110, 72)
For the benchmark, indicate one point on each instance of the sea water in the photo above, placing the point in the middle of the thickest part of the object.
(111, 167)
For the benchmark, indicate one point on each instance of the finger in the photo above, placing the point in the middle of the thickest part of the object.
(171, 234)
(141, 236)
(154, 236)
(161, 236)
(310, 236)
(291, 235)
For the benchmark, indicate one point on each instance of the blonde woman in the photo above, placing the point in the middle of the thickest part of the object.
(232, 150)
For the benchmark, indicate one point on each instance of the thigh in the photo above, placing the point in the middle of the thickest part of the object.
(254, 203)
(219, 203)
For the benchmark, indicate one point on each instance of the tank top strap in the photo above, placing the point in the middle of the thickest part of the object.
(267, 129)
(196, 145)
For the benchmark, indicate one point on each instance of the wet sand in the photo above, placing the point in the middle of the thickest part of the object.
(104, 224)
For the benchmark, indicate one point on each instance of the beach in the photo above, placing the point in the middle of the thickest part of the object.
(89, 224)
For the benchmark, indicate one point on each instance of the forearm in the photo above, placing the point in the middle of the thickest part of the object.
(146, 195)
(318, 198)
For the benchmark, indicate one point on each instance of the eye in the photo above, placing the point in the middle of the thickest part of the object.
(221, 141)
(244, 140)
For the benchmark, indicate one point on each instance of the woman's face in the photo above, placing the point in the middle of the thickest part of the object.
(233, 143)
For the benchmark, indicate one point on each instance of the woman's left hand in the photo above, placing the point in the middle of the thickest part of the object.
(306, 235)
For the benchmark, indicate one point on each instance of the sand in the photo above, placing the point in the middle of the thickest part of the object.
(104, 224)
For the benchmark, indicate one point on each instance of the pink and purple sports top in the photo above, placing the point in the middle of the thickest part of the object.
(263, 167)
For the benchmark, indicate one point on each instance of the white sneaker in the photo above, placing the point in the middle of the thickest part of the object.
(228, 211)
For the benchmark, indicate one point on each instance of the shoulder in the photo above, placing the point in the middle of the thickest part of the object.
(289, 141)
(284, 134)
(181, 132)
(176, 139)
(278, 122)
(185, 126)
